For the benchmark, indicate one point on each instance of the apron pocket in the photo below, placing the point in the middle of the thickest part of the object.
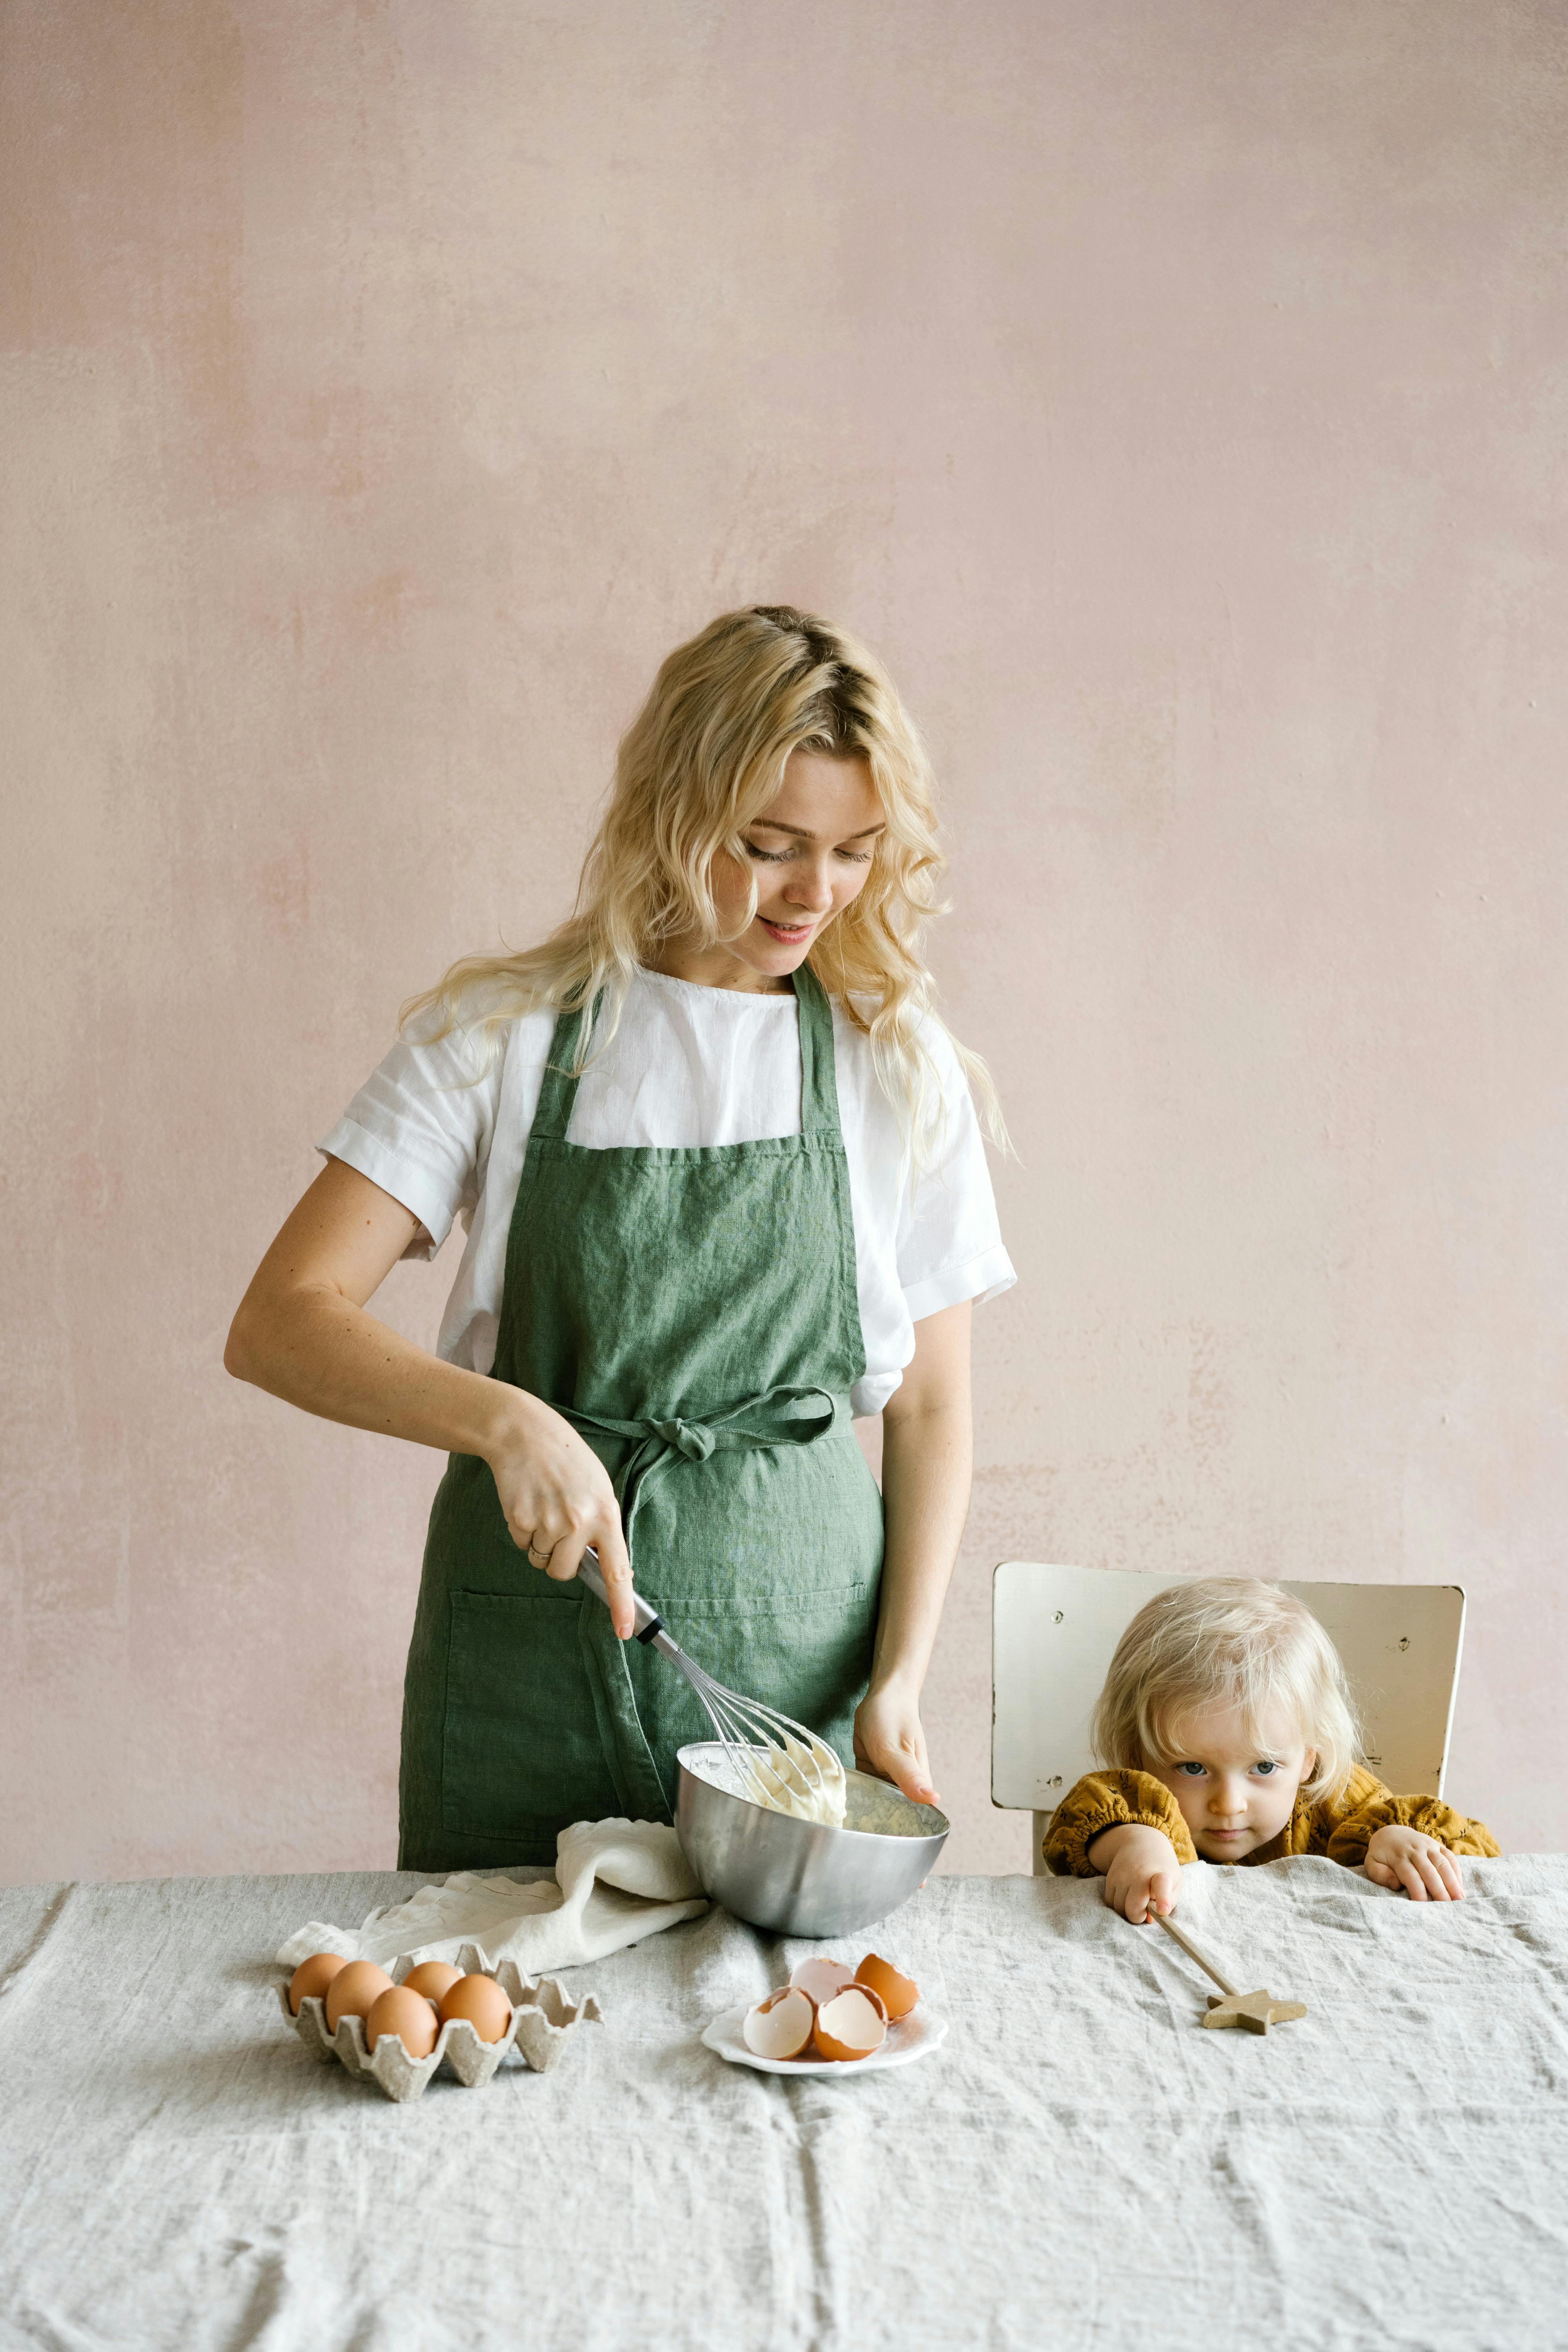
(520, 1739)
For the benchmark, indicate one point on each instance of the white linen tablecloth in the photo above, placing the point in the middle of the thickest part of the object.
(1080, 2165)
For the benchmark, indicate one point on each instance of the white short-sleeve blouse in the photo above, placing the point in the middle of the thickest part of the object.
(687, 1065)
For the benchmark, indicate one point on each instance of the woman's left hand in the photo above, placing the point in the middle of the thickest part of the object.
(890, 1742)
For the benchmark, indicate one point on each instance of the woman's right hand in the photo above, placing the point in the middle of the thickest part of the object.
(1141, 1873)
(558, 1499)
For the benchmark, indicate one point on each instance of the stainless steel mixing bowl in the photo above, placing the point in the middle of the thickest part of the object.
(802, 1878)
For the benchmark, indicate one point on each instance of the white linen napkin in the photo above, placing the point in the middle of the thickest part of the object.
(616, 1881)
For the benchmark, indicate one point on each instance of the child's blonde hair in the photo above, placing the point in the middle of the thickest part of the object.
(701, 762)
(1226, 1641)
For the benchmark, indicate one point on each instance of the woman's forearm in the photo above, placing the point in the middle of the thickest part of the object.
(318, 1349)
(308, 1342)
(927, 1463)
(303, 1331)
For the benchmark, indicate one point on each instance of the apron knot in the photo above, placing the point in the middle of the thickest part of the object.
(693, 1438)
(781, 1416)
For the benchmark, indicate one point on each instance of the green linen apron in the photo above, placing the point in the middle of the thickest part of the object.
(694, 1314)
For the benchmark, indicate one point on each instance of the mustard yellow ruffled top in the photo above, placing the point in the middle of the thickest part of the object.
(1342, 1827)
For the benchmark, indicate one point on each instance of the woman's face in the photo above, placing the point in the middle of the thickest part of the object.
(810, 853)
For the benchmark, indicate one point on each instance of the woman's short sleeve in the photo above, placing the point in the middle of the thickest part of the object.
(420, 1127)
(949, 1241)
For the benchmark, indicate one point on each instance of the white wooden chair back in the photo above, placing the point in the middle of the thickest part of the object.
(1054, 1631)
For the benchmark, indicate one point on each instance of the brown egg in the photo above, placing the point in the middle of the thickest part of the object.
(434, 1978)
(481, 2001)
(850, 2025)
(780, 2027)
(900, 1994)
(353, 1989)
(311, 1978)
(407, 2015)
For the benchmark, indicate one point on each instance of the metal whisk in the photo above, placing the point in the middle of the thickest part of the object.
(768, 1754)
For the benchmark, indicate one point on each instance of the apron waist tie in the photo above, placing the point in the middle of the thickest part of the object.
(773, 1418)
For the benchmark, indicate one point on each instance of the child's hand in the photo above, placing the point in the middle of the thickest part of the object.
(1409, 1858)
(1141, 1873)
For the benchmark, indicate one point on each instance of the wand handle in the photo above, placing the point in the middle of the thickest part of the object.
(1192, 1952)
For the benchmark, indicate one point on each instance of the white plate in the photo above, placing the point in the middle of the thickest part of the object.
(913, 2037)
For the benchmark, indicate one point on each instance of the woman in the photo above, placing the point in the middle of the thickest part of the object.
(723, 1188)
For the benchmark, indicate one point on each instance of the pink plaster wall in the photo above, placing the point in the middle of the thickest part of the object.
(1171, 389)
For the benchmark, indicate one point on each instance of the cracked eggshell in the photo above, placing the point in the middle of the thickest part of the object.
(821, 1979)
(780, 2027)
(849, 2026)
(900, 1994)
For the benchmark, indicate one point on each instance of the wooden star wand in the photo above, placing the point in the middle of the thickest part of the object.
(1257, 2011)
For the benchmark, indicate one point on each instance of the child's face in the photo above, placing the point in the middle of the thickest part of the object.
(1235, 1794)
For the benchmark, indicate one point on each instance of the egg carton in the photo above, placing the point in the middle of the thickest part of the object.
(543, 2017)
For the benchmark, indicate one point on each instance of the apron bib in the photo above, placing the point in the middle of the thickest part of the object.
(694, 1313)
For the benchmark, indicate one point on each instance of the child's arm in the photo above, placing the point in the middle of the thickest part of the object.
(1143, 1874)
(1397, 1856)
(1128, 1820)
(1410, 1842)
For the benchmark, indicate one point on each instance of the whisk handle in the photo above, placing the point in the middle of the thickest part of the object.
(647, 1622)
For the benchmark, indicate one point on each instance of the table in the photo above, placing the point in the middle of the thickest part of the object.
(1079, 2165)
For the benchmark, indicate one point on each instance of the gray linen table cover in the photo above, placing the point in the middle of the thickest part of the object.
(1080, 2165)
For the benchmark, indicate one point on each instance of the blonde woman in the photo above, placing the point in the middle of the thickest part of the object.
(724, 1187)
(1226, 1728)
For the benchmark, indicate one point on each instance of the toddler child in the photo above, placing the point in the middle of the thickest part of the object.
(1226, 1725)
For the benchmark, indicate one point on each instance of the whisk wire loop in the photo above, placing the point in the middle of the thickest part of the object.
(766, 1752)
(789, 1751)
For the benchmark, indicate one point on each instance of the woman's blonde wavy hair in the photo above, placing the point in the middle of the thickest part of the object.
(701, 762)
(1226, 1641)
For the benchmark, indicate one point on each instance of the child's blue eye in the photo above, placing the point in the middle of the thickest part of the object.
(1266, 1764)
(1195, 1769)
